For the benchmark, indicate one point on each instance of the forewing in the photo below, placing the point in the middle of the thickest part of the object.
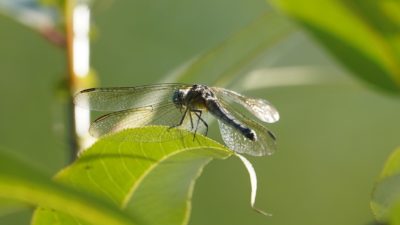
(164, 115)
(260, 108)
(122, 98)
(264, 143)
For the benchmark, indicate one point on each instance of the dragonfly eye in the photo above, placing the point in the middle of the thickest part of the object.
(177, 98)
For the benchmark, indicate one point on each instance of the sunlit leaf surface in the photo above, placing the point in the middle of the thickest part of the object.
(150, 172)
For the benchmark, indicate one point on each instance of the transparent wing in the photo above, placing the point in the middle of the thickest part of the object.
(121, 98)
(265, 140)
(166, 114)
(261, 108)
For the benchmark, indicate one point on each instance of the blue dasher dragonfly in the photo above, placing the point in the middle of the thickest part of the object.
(186, 106)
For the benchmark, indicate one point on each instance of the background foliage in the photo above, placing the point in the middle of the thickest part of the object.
(331, 69)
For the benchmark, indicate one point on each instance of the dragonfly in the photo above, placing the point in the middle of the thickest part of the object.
(188, 106)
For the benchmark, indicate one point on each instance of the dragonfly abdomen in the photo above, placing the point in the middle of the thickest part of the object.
(218, 111)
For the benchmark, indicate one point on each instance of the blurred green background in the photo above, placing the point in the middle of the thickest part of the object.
(334, 134)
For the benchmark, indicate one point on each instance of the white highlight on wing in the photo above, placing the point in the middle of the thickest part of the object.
(253, 183)
(260, 108)
(139, 118)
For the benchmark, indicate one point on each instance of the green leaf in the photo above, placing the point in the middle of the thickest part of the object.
(386, 193)
(363, 35)
(392, 165)
(149, 171)
(19, 181)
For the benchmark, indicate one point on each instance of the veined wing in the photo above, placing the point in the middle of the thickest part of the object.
(122, 98)
(265, 140)
(166, 114)
(260, 108)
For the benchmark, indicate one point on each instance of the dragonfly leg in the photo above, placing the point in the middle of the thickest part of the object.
(180, 122)
(198, 113)
(191, 120)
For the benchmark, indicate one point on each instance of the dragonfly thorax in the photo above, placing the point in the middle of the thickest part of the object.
(194, 98)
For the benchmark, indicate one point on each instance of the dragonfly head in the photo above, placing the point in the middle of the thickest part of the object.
(178, 97)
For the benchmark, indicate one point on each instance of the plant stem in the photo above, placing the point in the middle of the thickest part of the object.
(71, 129)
